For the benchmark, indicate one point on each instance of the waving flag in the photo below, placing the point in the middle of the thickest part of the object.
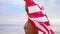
(38, 18)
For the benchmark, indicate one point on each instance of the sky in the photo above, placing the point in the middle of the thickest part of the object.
(13, 11)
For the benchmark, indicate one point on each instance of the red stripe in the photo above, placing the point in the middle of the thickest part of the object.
(36, 14)
(44, 25)
(30, 3)
(47, 23)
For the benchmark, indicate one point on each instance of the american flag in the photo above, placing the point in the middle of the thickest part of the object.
(38, 18)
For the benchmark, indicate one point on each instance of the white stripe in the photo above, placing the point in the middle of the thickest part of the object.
(37, 3)
(40, 27)
(40, 19)
(47, 28)
(33, 9)
(51, 28)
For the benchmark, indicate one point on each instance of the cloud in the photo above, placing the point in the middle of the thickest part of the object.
(51, 0)
(12, 1)
(52, 9)
(12, 12)
(11, 9)
(13, 19)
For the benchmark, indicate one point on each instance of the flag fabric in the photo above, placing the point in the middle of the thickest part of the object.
(38, 18)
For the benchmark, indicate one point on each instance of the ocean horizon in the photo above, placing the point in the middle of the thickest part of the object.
(18, 29)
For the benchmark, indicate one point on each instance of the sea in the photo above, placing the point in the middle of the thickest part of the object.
(18, 29)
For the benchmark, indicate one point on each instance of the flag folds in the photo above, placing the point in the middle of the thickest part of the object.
(38, 18)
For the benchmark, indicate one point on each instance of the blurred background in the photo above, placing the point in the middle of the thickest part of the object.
(13, 15)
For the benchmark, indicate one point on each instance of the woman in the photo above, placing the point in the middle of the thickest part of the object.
(37, 19)
(29, 29)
